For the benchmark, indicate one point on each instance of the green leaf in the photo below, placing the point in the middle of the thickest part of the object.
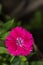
(3, 50)
(8, 24)
(37, 63)
(33, 63)
(4, 64)
(40, 62)
(24, 63)
(16, 61)
(3, 37)
(2, 30)
(23, 58)
(2, 43)
(11, 58)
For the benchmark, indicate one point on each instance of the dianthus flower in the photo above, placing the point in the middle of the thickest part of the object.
(19, 42)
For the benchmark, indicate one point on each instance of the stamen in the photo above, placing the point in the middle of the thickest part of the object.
(19, 41)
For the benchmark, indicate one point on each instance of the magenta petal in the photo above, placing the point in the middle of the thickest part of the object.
(17, 52)
(25, 51)
(13, 34)
(11, 44)
(20, 32)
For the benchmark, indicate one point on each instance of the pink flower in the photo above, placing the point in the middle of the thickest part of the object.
(19, 42)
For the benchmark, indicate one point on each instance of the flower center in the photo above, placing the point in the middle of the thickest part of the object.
(19, 41)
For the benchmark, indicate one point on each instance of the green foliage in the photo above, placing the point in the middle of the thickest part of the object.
(16, 61)
(3, 37)
(3, 50)
(21, 60)
(4, 59)
(2, 43)
(6, 26)
(37, 63)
